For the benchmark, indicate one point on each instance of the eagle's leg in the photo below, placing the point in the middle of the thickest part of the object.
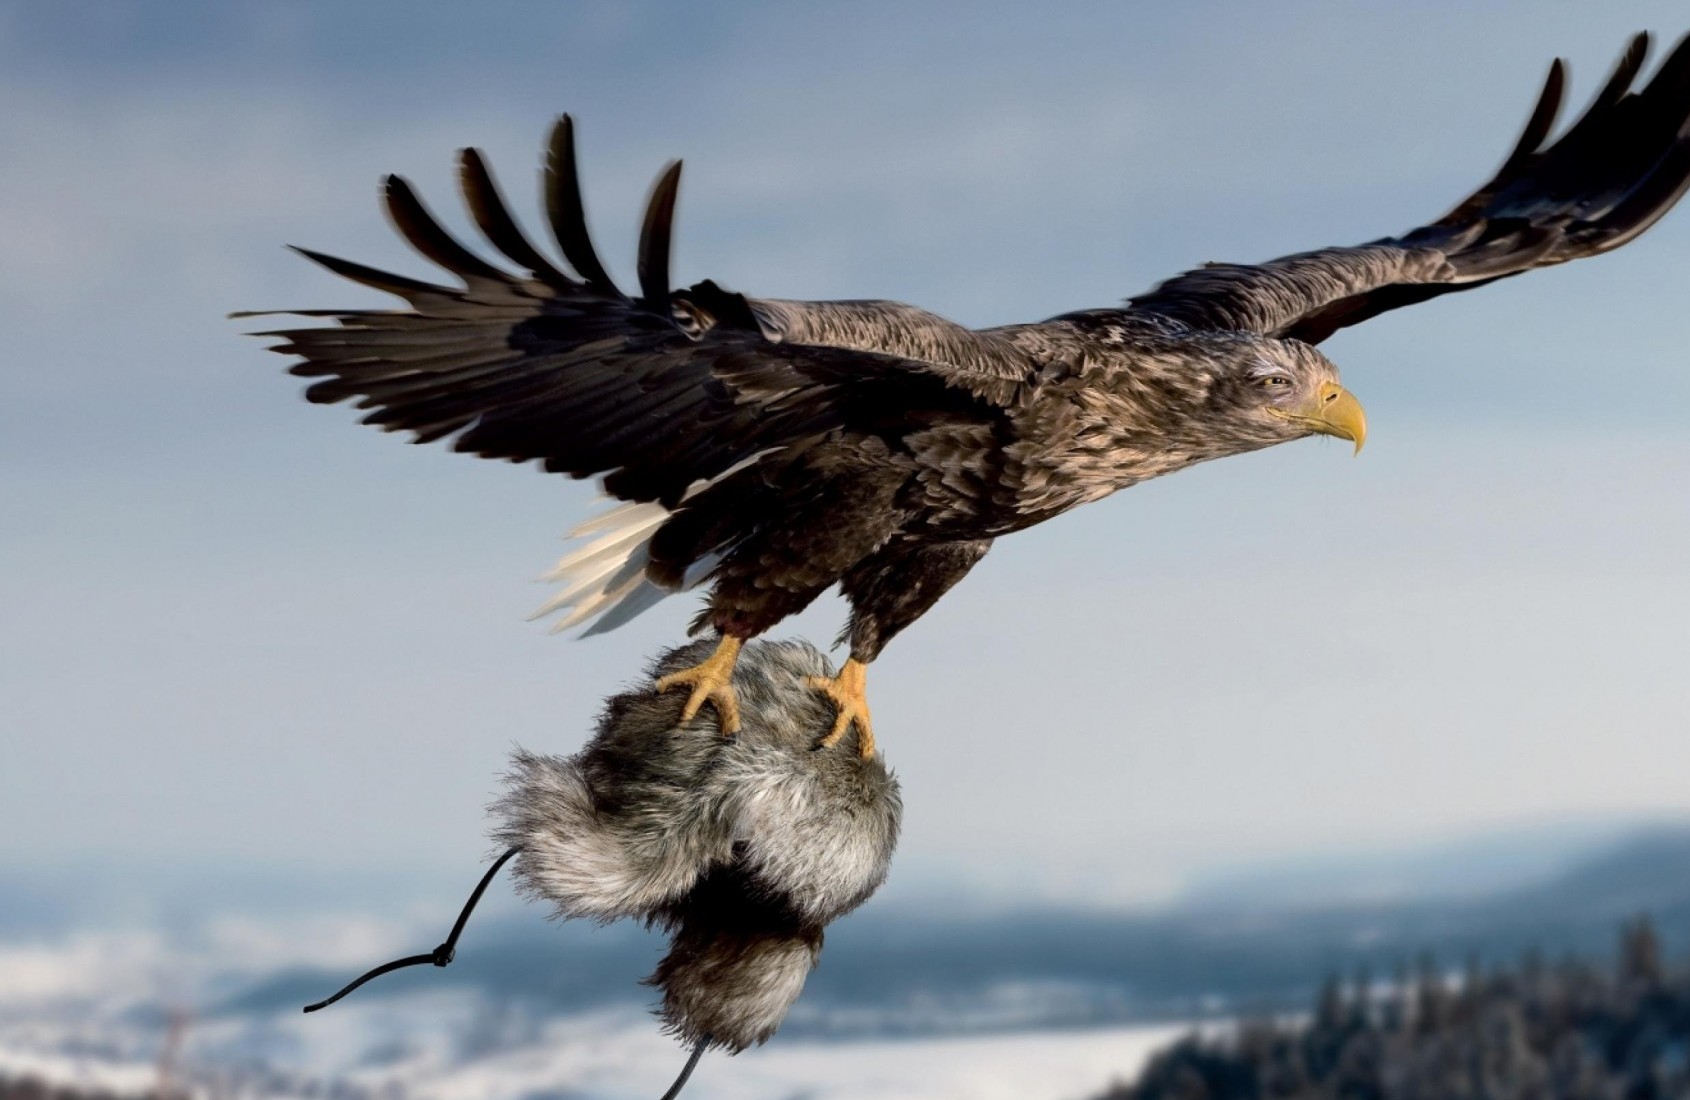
(888, 590)
(850, 704)
(711, 681)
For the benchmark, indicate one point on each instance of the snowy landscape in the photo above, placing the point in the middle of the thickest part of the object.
(904, 1004)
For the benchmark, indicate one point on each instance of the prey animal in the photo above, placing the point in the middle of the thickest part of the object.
(771, 449)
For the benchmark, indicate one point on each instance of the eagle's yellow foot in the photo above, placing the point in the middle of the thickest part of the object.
(712, 681)
(846, 691)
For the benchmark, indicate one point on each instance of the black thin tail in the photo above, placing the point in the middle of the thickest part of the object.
(442, 955)
(686, 1070)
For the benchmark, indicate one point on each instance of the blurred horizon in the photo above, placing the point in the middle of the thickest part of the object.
(89, 891)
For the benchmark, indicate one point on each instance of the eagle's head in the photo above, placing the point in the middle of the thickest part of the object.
(1269, 391)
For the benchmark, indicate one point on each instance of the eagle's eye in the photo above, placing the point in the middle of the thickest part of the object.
(1276, 380)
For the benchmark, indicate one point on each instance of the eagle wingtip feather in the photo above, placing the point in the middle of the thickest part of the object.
(656, 237)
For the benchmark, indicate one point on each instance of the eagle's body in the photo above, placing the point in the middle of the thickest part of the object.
(774, 448)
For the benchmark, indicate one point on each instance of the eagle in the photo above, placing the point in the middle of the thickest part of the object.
(772, 449)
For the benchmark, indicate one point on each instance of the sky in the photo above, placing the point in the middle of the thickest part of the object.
(240, 630)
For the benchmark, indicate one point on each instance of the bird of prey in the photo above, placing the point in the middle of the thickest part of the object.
(771, 449)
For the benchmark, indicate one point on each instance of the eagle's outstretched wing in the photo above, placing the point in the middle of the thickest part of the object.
(1605, 180)
(657, 391)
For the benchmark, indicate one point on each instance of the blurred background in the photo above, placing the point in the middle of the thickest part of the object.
(1176, 758)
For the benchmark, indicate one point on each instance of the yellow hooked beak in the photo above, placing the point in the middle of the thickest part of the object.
(1334, 411)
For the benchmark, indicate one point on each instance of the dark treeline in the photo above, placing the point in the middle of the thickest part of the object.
(1567, 1031)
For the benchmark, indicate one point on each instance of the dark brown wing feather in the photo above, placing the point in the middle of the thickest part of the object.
(569, 371)
(1610, 176)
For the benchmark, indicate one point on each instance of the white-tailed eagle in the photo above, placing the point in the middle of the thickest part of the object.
(771, 449)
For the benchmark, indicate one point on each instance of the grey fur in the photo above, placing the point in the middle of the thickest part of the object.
(744, 847)
(733, 989)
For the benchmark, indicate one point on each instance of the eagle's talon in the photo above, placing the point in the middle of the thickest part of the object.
(846, 692)
(712, 682)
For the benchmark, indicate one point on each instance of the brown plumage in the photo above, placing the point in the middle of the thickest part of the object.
(773, 448)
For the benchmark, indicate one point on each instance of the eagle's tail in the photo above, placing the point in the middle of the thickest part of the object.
(607, 579)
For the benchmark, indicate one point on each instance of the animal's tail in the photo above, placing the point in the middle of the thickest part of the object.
(608, 579)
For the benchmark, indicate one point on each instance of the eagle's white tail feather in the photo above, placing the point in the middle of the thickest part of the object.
(583, 575)
(607, 578)
(616, 517)
(607, 594)
(699, 571)
(592, 586)
(641, 597)
(636, 524)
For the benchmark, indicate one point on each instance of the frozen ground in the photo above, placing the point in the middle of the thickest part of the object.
(616, 1056)
(94, 1010)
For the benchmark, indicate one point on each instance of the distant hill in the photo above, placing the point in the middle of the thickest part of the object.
(885, 971)
(1646, 872)
(1462, 868)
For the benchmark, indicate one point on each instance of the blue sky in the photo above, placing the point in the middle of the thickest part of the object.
(242, 628)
